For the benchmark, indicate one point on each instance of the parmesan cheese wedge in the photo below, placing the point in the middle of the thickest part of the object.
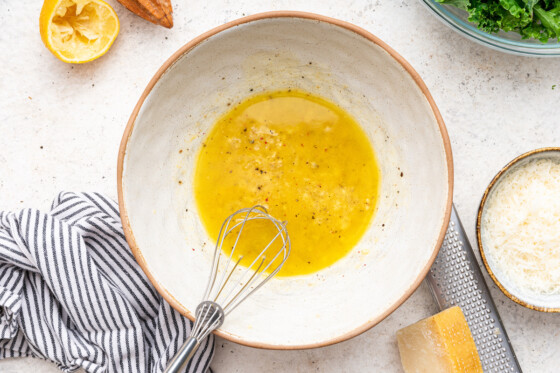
(442, 343)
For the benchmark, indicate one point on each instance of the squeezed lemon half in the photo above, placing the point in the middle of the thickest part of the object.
(78, 31)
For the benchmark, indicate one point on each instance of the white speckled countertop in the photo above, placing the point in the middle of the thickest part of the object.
(60, 128)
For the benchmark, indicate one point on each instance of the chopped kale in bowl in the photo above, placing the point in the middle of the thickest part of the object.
(537, 19)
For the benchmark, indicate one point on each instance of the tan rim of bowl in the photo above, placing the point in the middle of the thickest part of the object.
(255, 17)
(479, 223)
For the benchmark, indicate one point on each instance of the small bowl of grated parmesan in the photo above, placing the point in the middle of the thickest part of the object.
(518, 229)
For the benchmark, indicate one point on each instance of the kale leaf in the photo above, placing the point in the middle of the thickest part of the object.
(536, 19)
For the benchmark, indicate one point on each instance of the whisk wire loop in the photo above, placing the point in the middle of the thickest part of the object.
(244, 286)
(223, 284)
(222, 288)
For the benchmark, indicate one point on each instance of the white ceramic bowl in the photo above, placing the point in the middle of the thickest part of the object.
(344, 64)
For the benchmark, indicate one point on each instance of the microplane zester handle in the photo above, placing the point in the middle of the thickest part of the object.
(455, 279)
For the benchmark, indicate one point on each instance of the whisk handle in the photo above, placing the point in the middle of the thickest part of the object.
(180, 360)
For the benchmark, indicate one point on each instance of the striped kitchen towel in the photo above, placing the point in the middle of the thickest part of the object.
(71, 292)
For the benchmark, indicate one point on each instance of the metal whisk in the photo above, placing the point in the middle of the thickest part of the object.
(229, 283)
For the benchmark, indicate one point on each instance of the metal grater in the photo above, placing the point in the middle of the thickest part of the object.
(455, 279)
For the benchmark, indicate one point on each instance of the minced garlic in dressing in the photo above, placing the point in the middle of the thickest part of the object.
(303, 158)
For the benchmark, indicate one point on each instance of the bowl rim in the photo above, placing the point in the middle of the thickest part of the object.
(483, 201)
(259, 17)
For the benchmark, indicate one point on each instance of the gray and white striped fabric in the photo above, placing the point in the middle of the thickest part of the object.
(71, 292)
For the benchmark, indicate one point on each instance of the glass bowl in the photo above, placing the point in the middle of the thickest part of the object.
(509, 42)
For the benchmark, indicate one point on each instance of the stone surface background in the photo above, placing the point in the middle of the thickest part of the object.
(60, 128)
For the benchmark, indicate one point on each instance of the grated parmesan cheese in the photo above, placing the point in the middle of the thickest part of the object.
(521, 227)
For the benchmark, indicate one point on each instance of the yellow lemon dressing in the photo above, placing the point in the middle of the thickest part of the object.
(303, 158)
